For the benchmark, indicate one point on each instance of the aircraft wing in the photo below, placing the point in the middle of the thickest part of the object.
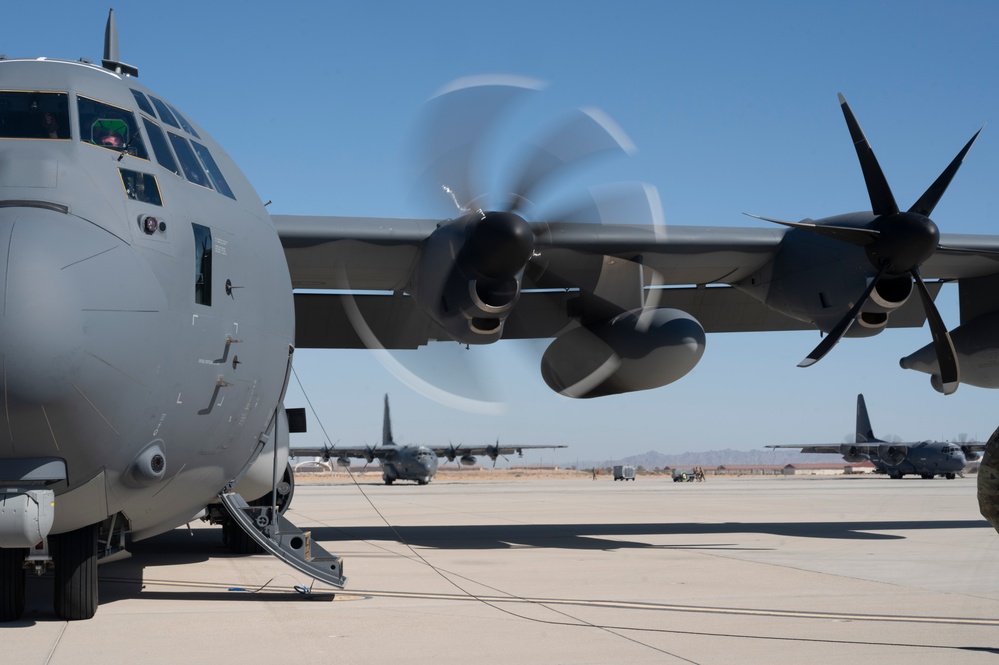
(330, 452)
(491, 451)
(831, 448)
(364, 268)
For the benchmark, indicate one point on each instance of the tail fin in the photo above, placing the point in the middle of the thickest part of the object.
(865, 434)
(387, 426)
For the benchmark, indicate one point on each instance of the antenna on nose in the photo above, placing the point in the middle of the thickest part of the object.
(111, 60)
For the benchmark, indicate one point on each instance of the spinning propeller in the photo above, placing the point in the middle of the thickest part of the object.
(897, 243)
(495, 234)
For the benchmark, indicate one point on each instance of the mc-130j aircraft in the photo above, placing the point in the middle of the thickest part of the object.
(149, 306)
(410, 462)
(927, 459)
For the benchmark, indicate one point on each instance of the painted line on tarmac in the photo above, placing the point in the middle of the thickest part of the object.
(356, 594)
(663, 607)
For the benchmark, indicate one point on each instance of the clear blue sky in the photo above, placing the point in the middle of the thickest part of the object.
(732, 106)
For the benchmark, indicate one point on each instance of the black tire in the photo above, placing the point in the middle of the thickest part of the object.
(239, 541)
(74, 555)
(11, 583)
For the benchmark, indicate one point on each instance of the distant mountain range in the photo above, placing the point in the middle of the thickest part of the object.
(653, 459)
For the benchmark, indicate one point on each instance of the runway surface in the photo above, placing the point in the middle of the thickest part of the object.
(750, 570)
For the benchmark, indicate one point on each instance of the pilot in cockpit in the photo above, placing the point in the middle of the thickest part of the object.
(110, 134)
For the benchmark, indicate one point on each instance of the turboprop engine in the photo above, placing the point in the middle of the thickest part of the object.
(470, 272)
(637, 350)
(977, 348)
(852, 454)
(891, 454)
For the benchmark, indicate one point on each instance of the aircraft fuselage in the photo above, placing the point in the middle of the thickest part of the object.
(416, 463)
(147, 316)
(926, 459)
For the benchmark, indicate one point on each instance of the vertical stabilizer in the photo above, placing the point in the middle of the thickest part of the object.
(865, 434)
(387, 426)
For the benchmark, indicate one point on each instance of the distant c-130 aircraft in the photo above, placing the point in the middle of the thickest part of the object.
(923, 458)
(411, 462)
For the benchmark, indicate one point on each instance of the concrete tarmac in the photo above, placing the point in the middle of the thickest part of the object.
(737, 570)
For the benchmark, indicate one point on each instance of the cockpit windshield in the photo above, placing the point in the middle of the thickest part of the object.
(110, 127)
(34, 115)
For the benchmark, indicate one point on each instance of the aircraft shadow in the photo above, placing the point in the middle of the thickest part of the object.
(124, 579)
(597, 536)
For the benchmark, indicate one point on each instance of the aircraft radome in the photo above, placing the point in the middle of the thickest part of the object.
(149, 312)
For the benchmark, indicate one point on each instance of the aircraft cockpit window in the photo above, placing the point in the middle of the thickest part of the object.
(141, 186)
(34, 115)
(202, 264)
(165, 114)
(213, 170)
(110, 127)
(183, 121)
(160, 148)
(143, 103)
(192, 167)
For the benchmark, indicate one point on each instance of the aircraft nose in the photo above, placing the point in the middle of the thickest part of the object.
(57, 271)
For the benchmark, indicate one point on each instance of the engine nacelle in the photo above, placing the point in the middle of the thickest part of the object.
(977, 346)
(892, 454)
(890, 294)
(816, 281)
(637, 350)
(852, 454)
(470, 271)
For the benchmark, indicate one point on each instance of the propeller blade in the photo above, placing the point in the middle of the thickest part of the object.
(586, 134)
(850, 234)
(928, 201)
(830, 340)
(950, 375)
(451, 132)
(882, 200)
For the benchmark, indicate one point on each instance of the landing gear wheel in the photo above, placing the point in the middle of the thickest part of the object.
(388, 481)
(950, 476)
(239, 541)
(927, 476)
(12, 576)
(74, 554)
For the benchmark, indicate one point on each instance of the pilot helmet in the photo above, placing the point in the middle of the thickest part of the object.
(109, 133)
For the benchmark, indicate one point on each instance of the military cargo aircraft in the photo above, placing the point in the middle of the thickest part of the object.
(409, 462)
(151, 305)
(924, 458)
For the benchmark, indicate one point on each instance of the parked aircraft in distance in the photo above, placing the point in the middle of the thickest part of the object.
(410, 462)
(923, 458)
(152, 305)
